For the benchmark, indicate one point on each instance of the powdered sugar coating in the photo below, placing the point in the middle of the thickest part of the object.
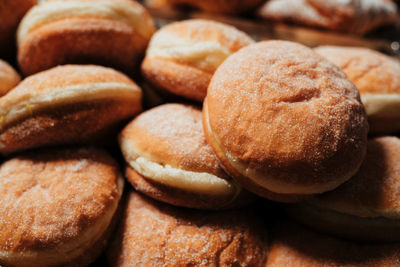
(281, 113)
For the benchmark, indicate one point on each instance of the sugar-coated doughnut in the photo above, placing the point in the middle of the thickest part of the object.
(367, 207)
(105, 32)
(169, 159)
(57, 207)
(155, 234)
(284, 121)
(183, 56)
(377, 77)
(66, 104)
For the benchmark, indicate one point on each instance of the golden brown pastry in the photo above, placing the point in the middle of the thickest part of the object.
(377, 77)
(284, 121)
(57, 207)
(106, 32)
(11, 12)
(67, 104)
(168, 159)
(367, 207)
(9, 78)
(219, 6)
(156, 234)
(183, 56)
(353, 16)
(293, 246)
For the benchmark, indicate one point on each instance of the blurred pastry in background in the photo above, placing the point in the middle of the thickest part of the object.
(9, 78)
(67, 104)
(57, 207)
(351, 16)
(152, 233)
(285, 122)
(217, 6)
(377, 77)
(183, 56)
(106, 32)
(293, 245)
(11, 12)
(367, 207)
(169, 159)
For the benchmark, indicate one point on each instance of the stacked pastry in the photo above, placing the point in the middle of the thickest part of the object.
(273, 119)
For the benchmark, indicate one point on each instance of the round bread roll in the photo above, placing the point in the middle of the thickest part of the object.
(293, 246)
(367, 207)
(57, 207)
(183, 56)
(11, 12)
(105, 32)
(169, 160)
(67, 104)
(9, 78)
(219, 6)
(377, 77)
(155, 234)
(284, 121)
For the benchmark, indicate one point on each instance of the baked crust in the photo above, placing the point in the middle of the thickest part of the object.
(69, 104)
(84, 38)
(285, 119)
(56, 205)
(182, 56)
(378, 80)
(9, 78)
(168, 158)
(154, 234)
(353, 16)
(293, 245)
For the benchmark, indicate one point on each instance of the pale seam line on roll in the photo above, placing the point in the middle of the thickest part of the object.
(199, 182)
(272, 184)
(207, 55)
(74, 248)
(63, 95)
(106, 9)
(384, 105)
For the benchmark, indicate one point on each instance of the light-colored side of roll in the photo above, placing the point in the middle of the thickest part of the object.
(13, 108)
(381, 105)
(198, 182)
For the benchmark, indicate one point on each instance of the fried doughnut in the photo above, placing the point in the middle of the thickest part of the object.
(57, 207)
(9, 78)
(367, 207)
(284, 121)
(183, 56)
(105, 32)
(377, 77)
(156, 234)
(67, 104)
(168, 159)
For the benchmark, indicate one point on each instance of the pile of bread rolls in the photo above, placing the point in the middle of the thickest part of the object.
(91, 169)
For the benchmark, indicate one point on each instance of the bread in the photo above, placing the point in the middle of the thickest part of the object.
(283, 121)
(352, 16)
(293, 245)
(183, 56)
(168, 159)
(9, 78)
(67, 104)
(219, 6)
(367, 206)
(57, 207)
(11, 12)
(155, 234)
(107, 32)
(377, 77)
